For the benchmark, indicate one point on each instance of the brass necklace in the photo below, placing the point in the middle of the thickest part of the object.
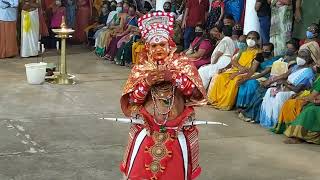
(168, 100)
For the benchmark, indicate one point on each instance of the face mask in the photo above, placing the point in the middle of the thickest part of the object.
(241, 46)
(251, 43)
(198, 34)
(58, 3)
(300, 61)
(119, 9)
(289, 52)
(266, 54)
(309, 34)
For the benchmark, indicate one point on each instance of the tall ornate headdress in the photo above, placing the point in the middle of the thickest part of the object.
(155, 26)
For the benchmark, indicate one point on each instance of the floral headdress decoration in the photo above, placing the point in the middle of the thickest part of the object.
(156, 26)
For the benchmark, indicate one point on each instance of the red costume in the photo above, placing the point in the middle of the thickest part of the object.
(163, 147)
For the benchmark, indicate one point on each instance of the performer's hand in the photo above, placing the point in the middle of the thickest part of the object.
(154, 77)
(168, 75)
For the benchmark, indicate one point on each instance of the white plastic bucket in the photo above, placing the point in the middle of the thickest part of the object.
(36, 72)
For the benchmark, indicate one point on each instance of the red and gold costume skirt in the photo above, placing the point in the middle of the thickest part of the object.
(155, 155)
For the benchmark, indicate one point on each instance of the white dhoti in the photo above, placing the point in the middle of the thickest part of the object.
(208, 71)
(29, 33)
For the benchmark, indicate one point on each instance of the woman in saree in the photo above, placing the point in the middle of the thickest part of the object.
(281, 24)
(131, 25)
(83, 16)
(304, 16)
(252, 112)
(137, 49)
(292, 108)
(306, 127)
(299, 78)
(112, 25)
(124, 54)
(249, 86)
(133, 29)
(224, 88)
(312, 34)
(104, 35)
(221, 56)
(200, 49)
(30, 28)
(99, 23)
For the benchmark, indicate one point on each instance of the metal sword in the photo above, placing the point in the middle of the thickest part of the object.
(140, 121)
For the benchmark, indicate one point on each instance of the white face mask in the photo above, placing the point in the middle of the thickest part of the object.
(300, 61)
(58, 3)
(251, 43)
(119, 9)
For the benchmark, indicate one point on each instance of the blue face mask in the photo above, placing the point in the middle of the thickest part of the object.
(119, 9)
(241, 46)
(309, 34)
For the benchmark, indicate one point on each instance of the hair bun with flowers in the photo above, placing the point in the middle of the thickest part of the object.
(157, 24)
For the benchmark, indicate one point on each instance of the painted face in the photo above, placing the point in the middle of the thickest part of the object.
(159, 48)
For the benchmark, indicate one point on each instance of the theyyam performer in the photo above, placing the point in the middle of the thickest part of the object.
(158, 98)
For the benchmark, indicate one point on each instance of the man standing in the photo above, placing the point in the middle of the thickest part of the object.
(8, 28)
(162, 91)
(196, 13)
(264, 14)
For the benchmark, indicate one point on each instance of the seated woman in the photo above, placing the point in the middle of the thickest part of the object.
(249, 85)
(312, 34)
(224, 88)
(292, 107)
(131, 25)
(103, 36)
(221, 56)
(124, 53)
(200, 49)
(138, 48)
(298, 78)
(100, 23)
(306, 127)
(252, 111)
